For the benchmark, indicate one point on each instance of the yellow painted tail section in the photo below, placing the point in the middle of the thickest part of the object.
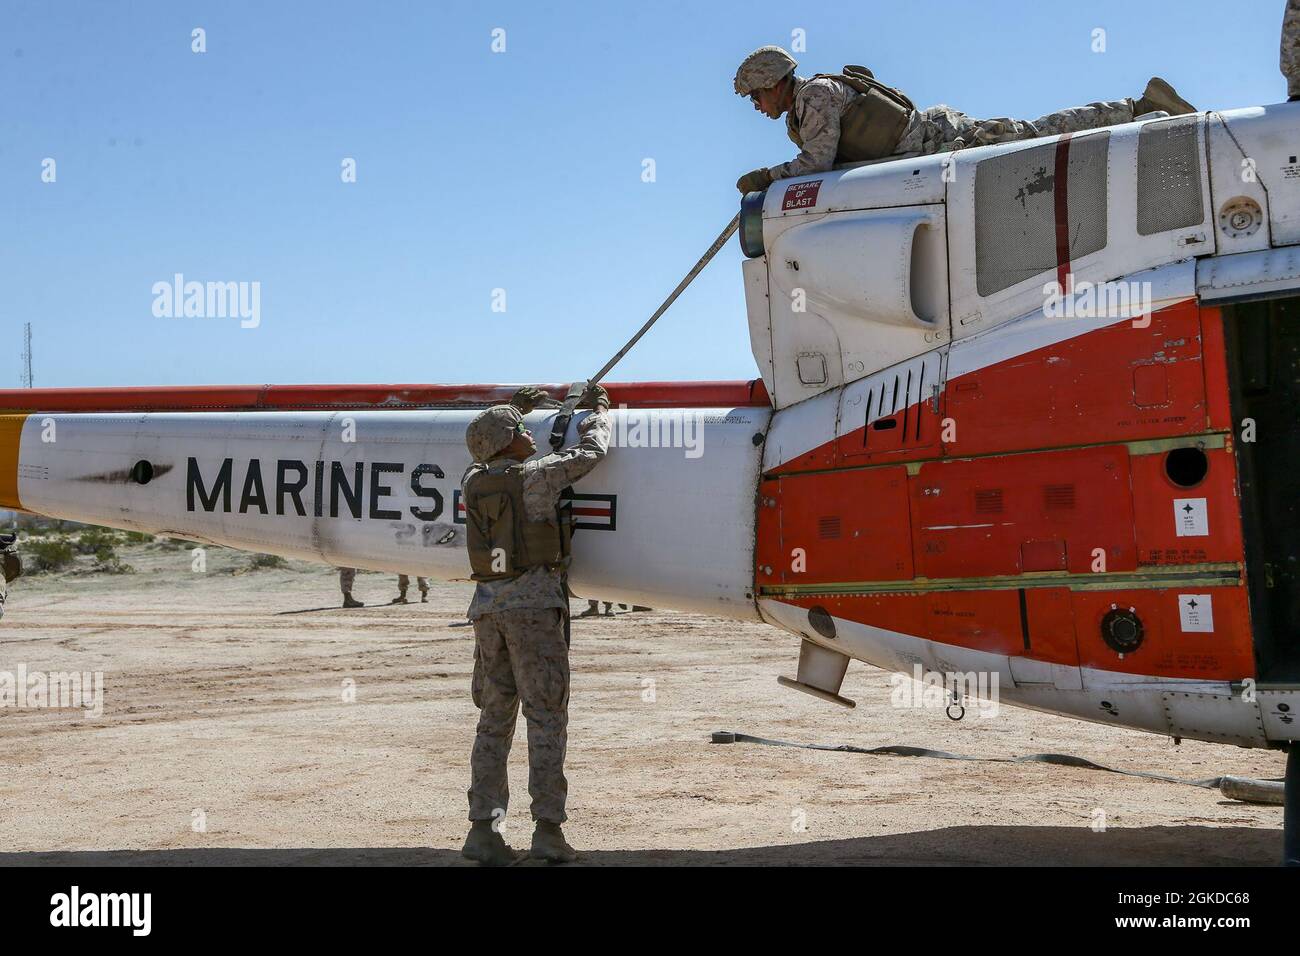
(11, 434)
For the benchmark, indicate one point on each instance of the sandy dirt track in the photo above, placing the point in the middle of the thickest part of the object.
(224, 697)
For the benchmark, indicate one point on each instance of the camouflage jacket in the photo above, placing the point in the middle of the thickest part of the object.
(1290, 52)
(819, 104)
(544, 479)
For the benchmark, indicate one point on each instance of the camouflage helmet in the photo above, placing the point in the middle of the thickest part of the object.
(766, 66)
(491, 431)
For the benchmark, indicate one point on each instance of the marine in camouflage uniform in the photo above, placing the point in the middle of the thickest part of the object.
(817, 111)
(1290, 55)
(10, 566)
(942, 128)
(521, 650)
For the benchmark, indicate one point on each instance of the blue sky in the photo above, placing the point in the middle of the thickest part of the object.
(476, 170)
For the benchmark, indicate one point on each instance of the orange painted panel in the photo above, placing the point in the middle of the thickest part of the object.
(1049, 623)
(1115, 384)
(849, 525)
(984, 620)
(824, 456)
(901, 613)
(1169, 648)
(983, 517)
(1158, 520)
(990, 621)
(1215, 361)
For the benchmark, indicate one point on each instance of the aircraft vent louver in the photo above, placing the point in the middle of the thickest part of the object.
(988, 501)
(1015, 210)
(1058, 497)
(889, 397)
(882, 401)
(1169, 176)
(828, 526)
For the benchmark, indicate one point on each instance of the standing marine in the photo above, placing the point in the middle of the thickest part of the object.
(851, 117)
(11, 566)
(404, 582)
(347, 578)
(518, 540)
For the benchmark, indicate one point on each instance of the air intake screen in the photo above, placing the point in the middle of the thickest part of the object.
(1015, 210)
(1169, 176)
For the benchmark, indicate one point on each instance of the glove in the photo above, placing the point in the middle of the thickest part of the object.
(754, 182)
(595, 397)
(528, 398)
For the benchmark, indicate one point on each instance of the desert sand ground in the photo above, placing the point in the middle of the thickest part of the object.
(226, 738)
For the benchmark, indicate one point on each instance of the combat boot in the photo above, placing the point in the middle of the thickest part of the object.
(1160, 96)
(487, 846)
(400, 599)
(549, 844)
(350, 601)
(424, 597)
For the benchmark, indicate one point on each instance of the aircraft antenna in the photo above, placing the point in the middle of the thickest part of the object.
(27, 355)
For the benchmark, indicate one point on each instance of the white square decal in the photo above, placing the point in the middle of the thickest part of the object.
(1195, 612)
(1190, 518)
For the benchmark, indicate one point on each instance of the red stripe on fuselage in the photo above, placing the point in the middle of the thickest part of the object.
(328, 397)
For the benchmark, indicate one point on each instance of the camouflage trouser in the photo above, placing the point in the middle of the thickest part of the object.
(4, 592)
(1290, 55)
(520, 656)
(347, 576)
(941, 128)
(404, 582)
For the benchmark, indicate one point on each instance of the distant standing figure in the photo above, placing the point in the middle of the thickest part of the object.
(346, 578)
(403, 582)
(10, 566)
(593, 609)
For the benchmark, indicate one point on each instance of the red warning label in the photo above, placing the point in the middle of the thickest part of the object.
(801, 195)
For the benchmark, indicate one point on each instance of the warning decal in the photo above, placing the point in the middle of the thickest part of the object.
(1195, 612)
(801, 195)
(1190, 518)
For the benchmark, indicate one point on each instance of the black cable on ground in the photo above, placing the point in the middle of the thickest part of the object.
(901, 750)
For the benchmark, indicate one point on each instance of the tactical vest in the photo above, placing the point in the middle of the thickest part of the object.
(11, 565)
(495, 519)
(874, 121)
